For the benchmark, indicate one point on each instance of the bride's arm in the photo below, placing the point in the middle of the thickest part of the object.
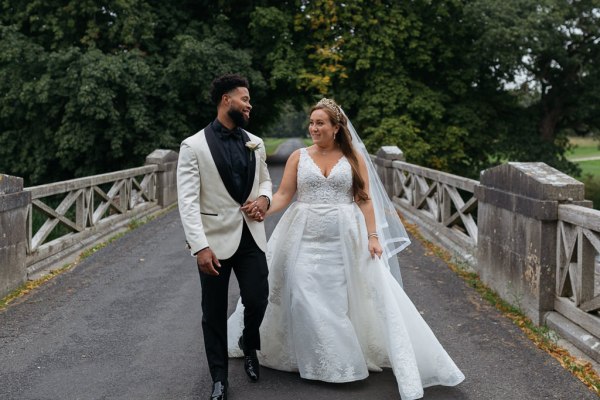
(287, 188)
(366, 207)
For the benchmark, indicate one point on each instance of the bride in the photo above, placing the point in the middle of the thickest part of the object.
(337, 309)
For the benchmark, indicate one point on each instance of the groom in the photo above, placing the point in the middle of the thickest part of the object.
(224, 190)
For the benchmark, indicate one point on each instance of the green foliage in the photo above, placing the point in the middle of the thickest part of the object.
(87, 88)
(592, 188)
(403, 132)
(438, 78)
(291, 123)
(405, 77)
(459, 86)
(548, 50)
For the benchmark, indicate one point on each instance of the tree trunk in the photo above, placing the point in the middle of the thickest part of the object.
(552, 112)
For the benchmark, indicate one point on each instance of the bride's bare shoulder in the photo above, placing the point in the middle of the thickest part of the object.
(294, 157)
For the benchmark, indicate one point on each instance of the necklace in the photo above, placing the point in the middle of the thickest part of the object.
(322, 152)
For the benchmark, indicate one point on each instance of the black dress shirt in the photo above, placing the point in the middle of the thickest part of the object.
(236, 154)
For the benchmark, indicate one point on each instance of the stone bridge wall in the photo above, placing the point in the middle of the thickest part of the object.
(81, 212)
(524, 227)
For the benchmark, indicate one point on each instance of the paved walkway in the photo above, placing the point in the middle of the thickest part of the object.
(125, 324)
(284, 150)
(590, 158)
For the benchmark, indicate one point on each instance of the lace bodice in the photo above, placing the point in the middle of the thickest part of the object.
(314, 187)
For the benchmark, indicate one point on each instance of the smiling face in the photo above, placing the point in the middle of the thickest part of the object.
(321, 128)
(238, 101)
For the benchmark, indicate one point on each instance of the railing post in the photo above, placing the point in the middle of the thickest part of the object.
(384, 158)
(166, 176)
(14, 202)
(517, 232)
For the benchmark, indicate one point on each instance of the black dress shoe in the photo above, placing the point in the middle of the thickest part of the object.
(251, 364)
(219, 391)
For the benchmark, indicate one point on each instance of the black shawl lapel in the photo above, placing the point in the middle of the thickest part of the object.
(216, 150)
(252, 161)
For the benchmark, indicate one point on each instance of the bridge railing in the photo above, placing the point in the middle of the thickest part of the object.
(525, 228)
(443, 204)
(47, 225)
(84, 207)
(577, 273)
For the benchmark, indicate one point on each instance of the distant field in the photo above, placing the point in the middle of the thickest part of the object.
(271, 144)
(584, 147)
(590, 168)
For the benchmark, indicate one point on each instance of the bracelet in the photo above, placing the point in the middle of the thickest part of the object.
(374, 234)
(268, 200)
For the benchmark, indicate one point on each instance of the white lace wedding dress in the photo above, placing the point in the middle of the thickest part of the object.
(334, 313)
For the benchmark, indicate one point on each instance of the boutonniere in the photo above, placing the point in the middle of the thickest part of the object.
(252, 147)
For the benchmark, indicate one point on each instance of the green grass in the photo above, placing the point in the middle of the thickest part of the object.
(271, 144)
(590, 167)
(590, 170)
(584, 147)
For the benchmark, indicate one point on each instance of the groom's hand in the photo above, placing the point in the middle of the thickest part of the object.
(256, 209)
(207, 261)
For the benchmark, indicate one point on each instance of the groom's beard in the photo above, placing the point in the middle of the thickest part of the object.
(237, 117)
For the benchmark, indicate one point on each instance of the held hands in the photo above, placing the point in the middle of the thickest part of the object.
(374, 247)
(207, 261)
(256, 209)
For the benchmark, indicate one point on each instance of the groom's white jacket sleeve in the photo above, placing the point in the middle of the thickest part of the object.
(265, 186)
(188, 177)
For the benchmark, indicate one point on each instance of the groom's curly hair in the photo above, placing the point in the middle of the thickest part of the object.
(225, 84)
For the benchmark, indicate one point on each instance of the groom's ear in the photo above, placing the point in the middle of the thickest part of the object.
(223, 98)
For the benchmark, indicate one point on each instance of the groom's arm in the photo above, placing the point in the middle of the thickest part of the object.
(265, 187)
(257, 207)
(188, 194)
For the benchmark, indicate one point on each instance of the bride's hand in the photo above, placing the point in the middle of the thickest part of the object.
(374, 247)
(256, 209)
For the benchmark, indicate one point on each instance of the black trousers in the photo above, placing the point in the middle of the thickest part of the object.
(250, 266)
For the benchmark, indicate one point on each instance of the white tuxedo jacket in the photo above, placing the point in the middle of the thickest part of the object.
(210, 215)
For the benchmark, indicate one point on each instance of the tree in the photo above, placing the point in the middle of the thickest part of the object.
(405, 73)
(552, 48)
(440, 79)
(547, 54)
(89, 87)
(459, 86)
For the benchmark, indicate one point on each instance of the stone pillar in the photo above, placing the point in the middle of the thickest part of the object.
(517, 227)
(166, 176)
(13, 233)
(384, 158)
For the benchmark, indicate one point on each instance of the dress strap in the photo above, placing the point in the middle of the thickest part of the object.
(303, 155)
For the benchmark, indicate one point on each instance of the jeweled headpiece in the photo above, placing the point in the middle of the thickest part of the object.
(332, 105)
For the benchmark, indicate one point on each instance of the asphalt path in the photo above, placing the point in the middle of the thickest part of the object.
(590, 158)
(126, 324)
(284, 150)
